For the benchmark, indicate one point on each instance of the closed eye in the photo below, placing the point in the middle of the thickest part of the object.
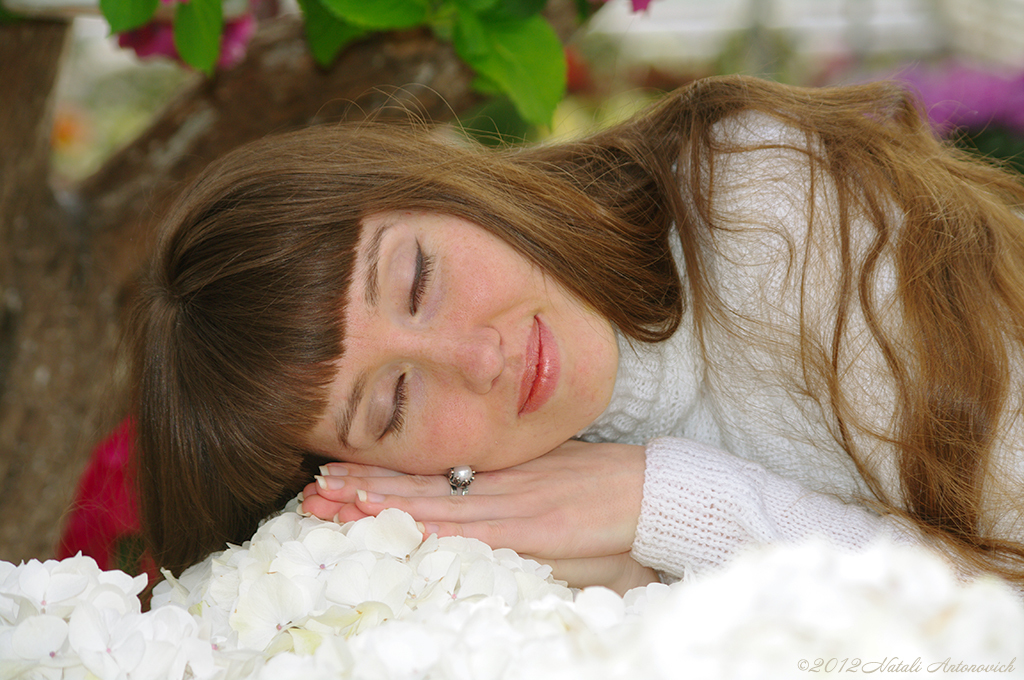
(424, 270)
(397, 421)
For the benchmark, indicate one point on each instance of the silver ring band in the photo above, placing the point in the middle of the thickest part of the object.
(459, 478)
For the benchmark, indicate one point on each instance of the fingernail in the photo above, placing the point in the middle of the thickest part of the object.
(330, 483)
(431, 529)
(335, 470)
(304, 513)
(369, 496)
(302, 497)
(422, 529)
(337, 518)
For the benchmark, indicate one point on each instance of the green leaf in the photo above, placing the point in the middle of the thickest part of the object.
(326, 33)
(474, 6)
(379, 14)
(524, 59)
(471, 39)
(198, 25)
(516, 9)
(124, 15)
(485, 85)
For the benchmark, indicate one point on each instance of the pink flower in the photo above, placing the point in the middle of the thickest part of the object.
(964, 96)
(153, 39)
(237, 34)
(157, 39)
(638, 5)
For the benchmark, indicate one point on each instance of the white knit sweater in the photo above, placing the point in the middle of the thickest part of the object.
(739, 452)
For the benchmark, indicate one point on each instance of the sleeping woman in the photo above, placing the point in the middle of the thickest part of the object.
(752, 314)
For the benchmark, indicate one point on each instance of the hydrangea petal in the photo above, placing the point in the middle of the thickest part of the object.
(267, 608)
(39, 637)
(392, 532)
(389, 583)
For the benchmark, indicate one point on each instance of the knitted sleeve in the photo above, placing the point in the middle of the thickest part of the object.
(703, 506)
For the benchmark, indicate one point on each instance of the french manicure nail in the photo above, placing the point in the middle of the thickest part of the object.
(361, 495)
(333, 471)
(337, 518)
(330, 483)
(422, 529)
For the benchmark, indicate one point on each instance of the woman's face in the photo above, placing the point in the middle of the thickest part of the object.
(458, 351)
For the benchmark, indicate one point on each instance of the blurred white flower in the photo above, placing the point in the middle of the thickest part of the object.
(811, 601)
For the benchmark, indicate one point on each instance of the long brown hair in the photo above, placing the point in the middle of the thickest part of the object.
(242, 316)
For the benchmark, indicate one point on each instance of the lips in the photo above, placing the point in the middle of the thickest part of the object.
(541, 368)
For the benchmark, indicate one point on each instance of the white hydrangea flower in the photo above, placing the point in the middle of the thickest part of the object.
(637, 600)
(776, 606)
(175, 646)
(314, 555)
(39, 640)
(332, 661)
(107, 640)
(387, 581)
(392, 532)
(311, 599)
(268, 606)
(49, 587)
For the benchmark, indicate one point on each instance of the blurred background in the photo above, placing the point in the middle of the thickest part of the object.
(97, 131)
(965, 56)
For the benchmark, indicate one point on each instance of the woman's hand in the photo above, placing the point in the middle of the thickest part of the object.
(618, 572)
(580, 501)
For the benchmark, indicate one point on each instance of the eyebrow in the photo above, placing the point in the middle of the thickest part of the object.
(349, 414)
(371, 290)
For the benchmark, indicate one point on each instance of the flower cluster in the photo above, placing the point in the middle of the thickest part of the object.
(370, 599)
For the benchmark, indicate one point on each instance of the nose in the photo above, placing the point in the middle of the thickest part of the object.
(473, 356)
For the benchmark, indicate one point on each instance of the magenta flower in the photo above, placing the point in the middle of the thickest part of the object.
(237, 34)
(156, 39)
(960, 96)
(638, 5)
(105, 510)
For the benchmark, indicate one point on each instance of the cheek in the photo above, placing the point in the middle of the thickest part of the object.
(459, 431)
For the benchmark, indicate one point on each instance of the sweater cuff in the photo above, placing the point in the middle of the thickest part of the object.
(683, 526)
(703, 506)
